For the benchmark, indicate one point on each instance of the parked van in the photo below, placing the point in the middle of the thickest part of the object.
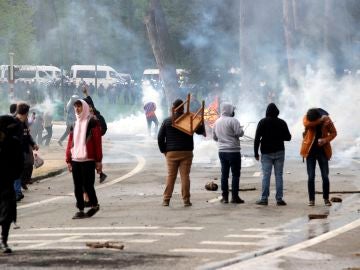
(105, 75)
(29, 73)
(153, 74)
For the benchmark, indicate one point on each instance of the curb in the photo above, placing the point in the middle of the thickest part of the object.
(49, 174)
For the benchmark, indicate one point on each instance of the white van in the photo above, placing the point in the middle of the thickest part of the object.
(29, 73)
(105, 75)
(153, 74)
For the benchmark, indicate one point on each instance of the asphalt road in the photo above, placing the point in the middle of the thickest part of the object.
(208, 235)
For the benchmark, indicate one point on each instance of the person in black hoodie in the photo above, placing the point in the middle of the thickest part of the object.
(270, 135)
(177, 146)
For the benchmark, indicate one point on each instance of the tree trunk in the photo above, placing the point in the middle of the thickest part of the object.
(289, 33)
(246, 59)
(159, 39)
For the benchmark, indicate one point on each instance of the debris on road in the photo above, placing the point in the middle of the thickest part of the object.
(317, 216)
(336, 199)
(115, 245)
(211, 186)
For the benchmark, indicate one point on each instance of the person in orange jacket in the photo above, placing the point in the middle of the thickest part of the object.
(319, 132)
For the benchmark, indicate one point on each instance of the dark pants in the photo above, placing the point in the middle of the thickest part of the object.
(48, 135)
(324, 169)
(156, 123)
(84, 179)
(230, 160)
(5, 228)
(66, 133)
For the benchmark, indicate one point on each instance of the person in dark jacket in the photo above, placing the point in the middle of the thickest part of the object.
(177, 146)
(11, 166)
(270, 135)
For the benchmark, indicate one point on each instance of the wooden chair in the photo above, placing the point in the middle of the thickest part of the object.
(188, 122)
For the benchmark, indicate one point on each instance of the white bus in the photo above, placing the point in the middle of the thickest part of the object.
(105, 75)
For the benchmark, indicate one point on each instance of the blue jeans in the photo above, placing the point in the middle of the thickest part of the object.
(324, 169)
(267, 162)
(230, 160)
(17, 187)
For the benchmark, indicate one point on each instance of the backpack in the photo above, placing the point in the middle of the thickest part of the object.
(102, 122)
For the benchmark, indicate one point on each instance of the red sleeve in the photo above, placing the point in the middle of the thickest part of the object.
(68, 148)
(97, 140)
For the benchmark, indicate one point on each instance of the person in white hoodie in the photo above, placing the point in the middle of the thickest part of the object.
(227, 132)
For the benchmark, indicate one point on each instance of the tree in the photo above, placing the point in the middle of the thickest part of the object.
(159, 39)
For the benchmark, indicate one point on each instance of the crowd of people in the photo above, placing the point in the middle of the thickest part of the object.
(21, 135)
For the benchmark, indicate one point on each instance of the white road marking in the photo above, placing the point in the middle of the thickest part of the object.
(66, 240)
(228, 243)
(114, 228)
(140, 165)
(96, 234)
(246, 236)
(257, 174)
(271, 230)
(217, 199)
(203, 250)
(259, 260)
(44, 243)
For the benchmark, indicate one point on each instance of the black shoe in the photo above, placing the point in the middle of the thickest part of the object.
(92, 211)
(24, 186)
(79, 215)
(327, 202)
(262, 202)
(224, 200)
(166, 203)
(281, 203)
(19, 197)
(187, 203)
(237, 200)
(102, 177)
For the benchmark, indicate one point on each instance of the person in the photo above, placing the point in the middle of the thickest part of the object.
(28, 145)
(37, 127)
(97, 115)
(271, 132)
(177, 147)
(48, 127)
(150, 108)
(226, 132)
(12, 109)
(83, 156)
(319, 132)
(70, 118)
(11, 165)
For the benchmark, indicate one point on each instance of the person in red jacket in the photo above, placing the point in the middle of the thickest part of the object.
(83, 156)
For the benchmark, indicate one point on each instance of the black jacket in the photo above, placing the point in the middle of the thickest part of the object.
(172, 139)
(271, 132)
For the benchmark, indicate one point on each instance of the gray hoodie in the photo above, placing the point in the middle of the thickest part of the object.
(227, 130)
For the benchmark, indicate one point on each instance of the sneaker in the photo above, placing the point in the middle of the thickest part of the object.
(311, 203)
(166, 203)
(187, 203)
(237, 200)
(5, 248)
(327, 202)
(262, 202)
(79, 215)
(281, 203)
(19, 197)
(102, 177)
(224, 200)
(92, 211)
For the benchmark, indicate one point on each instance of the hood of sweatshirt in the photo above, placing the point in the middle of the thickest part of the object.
(227, 109)
(272, 110)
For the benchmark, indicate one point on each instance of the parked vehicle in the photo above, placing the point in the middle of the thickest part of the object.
(105, 75)
(30, 73)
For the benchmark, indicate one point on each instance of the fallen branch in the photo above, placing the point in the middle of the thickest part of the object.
(343, 192)
(107, 244)
(245, 189)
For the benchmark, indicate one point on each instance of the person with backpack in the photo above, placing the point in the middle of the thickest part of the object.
(319, 132)
(83, 157)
